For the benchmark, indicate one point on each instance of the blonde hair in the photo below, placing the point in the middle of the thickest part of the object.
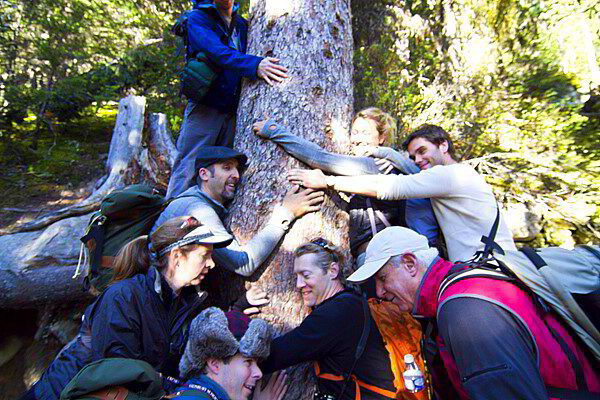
(326, 253)
(386, 124)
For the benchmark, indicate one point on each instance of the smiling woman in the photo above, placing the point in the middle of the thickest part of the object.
(143, 314)
(330, 334)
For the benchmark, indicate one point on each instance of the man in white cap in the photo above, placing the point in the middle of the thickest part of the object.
(220, 359)
(493, 339)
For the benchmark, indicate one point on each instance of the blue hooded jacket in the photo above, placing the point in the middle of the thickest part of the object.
(207, 32)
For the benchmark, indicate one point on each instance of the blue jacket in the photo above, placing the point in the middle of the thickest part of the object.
(208, 33)
(204, 388)
(137, 318)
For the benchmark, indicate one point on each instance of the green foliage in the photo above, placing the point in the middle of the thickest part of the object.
(506, 78)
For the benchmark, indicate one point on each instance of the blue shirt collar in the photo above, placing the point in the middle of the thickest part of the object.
(206, 4)
(205, 381)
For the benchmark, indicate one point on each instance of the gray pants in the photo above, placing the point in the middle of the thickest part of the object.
(202, 126)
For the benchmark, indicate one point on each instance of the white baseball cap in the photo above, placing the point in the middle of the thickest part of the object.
(390, 242)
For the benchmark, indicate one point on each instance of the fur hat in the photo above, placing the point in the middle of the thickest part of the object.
(213, 335)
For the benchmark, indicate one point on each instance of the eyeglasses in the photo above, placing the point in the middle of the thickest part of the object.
(327, 247)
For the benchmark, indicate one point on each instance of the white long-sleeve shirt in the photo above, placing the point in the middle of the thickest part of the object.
(463, 203)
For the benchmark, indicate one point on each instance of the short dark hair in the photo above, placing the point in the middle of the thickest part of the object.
(432, 133)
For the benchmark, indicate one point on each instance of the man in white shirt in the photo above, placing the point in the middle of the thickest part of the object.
(463, 202)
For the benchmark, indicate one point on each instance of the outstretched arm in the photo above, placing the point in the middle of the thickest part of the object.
(245, 259)
(312, 154)
(434, 182)
(395, 158)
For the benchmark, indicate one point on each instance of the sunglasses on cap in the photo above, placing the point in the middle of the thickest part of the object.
(325, 245)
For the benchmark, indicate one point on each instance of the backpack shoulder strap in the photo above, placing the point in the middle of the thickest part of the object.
(472, 272)
(591, 249)
(489, 241)
(362, 343)
(534, 257)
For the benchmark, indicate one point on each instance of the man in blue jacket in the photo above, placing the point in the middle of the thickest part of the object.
(215, 29)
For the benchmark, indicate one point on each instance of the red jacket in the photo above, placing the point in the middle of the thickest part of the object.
(554, 366)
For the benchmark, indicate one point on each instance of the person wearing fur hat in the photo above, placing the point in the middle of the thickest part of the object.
(221, 355)
(144, 313)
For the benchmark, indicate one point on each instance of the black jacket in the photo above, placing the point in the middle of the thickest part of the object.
(330, 335)
(137, 318)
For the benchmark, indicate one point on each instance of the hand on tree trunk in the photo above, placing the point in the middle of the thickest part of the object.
(270, 70)
(256, 298)
(257, 128)
(275, 388)
(302, 202)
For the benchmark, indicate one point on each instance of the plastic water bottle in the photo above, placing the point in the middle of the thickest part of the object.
(413, 377)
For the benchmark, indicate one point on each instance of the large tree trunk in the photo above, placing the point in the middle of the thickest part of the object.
(314, 40)
(38, 262)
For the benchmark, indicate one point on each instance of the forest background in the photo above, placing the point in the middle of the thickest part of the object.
(515, 82)
(508, 79)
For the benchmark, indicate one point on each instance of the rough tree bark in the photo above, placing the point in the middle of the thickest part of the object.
(314, 40)
(36, 266)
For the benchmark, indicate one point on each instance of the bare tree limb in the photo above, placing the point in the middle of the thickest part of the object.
(50, 218)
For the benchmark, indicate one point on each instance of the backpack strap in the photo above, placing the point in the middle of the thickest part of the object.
(591, 250)
(471, 272)
(360, 347)
(490, 244)
(371, 217)
(357, 383)
(579, 375)
(372, 213)
(534, 257)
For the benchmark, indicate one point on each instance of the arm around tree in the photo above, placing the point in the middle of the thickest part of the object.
(314, 155)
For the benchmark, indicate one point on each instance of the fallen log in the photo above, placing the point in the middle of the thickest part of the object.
(38, 259)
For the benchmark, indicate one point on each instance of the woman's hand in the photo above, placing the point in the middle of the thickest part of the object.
(275, 388)
(384, 165)
(256, 298)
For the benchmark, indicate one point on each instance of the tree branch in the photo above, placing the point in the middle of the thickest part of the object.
(51, 218)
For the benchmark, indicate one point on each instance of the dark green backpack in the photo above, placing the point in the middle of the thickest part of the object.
(124, 215)
(199, 72)
(115, 378)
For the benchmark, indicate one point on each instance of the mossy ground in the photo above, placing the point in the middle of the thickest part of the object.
(60, 171)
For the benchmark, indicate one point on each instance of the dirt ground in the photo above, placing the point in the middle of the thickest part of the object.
(18, 205)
